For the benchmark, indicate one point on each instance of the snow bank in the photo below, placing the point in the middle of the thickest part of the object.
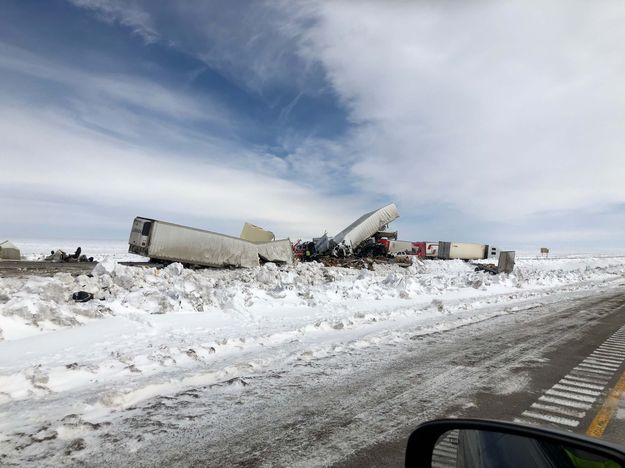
(154, 332)
(33, 305)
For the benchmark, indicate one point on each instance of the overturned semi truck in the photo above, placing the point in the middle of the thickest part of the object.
(163, 241)
(347, 241)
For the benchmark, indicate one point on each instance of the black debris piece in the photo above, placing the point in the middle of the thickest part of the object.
(82, 296)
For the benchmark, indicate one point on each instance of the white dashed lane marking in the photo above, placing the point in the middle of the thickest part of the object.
(558, 410)
(577, 383)
(583, 391)
(567, 402)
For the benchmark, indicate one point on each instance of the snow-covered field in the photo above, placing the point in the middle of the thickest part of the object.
(66, 366)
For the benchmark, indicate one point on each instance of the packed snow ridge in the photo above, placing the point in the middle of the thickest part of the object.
(150, 332)
(33, 305)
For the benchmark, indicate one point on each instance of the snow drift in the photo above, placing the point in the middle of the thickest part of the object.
(150, 332)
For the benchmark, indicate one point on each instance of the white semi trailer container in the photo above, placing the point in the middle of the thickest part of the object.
(466, 251)
(161, 240)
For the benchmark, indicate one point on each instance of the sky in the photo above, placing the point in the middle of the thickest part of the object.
(499, 122)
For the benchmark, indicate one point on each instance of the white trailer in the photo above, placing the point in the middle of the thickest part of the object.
(161, 240)
(462, 251)
(365, 227)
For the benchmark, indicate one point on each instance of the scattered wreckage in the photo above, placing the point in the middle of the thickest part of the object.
(59, 256)
(505, 264)
(348, 242)
(368, 237)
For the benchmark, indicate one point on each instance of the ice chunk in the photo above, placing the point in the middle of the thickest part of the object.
(175, 269)
(106, 267)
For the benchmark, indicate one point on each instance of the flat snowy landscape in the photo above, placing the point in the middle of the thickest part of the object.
(69, 371)
(213, 132)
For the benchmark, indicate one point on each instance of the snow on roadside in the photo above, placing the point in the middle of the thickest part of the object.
(155, 332)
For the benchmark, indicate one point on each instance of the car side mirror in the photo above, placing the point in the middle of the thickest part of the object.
(477, 443)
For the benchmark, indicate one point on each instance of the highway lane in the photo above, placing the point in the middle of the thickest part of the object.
(575, 368)
(356, 407)
(360, 411)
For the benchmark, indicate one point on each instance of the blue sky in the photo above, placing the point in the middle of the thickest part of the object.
(495, 122)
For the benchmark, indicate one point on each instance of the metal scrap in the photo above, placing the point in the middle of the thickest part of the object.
(59, 256)
(505, 265)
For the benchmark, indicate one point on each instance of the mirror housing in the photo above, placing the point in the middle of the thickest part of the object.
(424, 438)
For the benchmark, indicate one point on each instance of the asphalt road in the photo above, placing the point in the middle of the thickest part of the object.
(360, 411)
(555, 364)
(13, 268)
(544, 348)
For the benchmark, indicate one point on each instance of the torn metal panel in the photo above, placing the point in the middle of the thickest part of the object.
(279, 251)
(323, 243)
(253, 233)
(506, 261)
(365, 227)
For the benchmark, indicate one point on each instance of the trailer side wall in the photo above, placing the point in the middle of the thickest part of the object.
(464, 251)
(177, 243)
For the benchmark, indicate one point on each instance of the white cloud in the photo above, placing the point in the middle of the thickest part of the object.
(103, 142)
(48, 158)
(501, 109)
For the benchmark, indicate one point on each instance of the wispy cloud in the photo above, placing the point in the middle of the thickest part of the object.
(55, 159)
(122, 89)
(127, 13)
(252, 43)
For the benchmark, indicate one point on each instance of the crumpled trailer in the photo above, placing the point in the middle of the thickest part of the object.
(278, 251)
(365, 227)
(161, 240)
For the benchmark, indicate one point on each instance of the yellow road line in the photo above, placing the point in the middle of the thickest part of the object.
(602, 419)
